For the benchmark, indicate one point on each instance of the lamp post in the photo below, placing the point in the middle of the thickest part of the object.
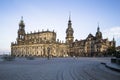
(48, 53)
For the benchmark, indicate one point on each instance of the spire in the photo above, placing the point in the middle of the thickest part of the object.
(98, 28)
(22, 18)
(21, 31)
(98, 33)
(21, 22)
(69, 16)
(113, 38)
(114, 42)
(69, 31)
(69, 21)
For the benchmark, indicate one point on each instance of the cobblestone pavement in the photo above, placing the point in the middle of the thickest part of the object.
(57, 69)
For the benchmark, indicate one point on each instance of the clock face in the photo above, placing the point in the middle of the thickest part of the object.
(69, 39)
(20, 40)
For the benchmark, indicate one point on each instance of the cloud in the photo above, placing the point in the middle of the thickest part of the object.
(112, 32)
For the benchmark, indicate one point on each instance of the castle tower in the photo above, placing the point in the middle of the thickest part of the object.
(114, 42)
(69, 32)
(21, 32)
(98, 33)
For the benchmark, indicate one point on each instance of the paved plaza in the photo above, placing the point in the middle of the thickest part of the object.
(83, 68)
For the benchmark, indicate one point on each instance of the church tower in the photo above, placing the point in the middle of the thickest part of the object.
(98, 33)
(69, 32)
(21, 32)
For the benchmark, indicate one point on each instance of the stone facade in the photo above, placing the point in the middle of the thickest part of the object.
(38, 43)
(91, 46)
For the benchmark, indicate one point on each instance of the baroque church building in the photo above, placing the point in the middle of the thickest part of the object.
(44, 43)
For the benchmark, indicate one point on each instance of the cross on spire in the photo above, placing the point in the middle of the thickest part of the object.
(69, 16)
(22, 18)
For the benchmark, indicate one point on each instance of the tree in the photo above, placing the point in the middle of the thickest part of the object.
(118, 54)
(111, 51)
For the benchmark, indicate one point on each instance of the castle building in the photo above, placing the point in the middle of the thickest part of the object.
(40, 43)
(91, 46)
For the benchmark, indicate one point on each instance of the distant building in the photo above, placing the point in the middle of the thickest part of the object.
(118, 48)
(38, 43)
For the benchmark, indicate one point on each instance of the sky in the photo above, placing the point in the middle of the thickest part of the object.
(54, 15)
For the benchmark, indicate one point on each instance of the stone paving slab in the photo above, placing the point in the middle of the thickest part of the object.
(113, 66)
(57, 69)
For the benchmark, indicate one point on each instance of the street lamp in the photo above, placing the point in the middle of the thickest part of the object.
(48, 52)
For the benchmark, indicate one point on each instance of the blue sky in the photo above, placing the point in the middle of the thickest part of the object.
(54, 14)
